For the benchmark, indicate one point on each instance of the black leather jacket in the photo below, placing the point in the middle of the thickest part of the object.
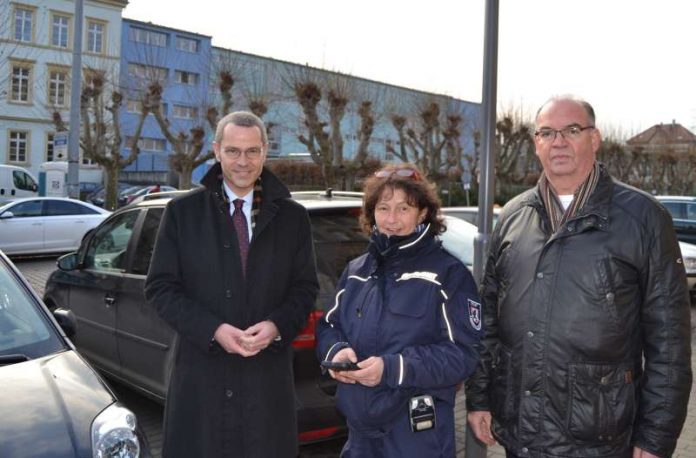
(569, 318)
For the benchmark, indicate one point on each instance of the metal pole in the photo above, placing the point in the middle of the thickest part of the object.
(73, 181)
(473, 448)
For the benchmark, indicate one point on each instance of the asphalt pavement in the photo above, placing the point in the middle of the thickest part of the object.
(149, 413)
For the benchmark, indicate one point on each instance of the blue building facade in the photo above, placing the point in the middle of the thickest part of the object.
(180, 62)
(188, 68)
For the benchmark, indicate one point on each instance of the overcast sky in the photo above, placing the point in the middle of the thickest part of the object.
(632, 59)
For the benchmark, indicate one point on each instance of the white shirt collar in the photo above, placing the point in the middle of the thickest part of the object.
(248, 198)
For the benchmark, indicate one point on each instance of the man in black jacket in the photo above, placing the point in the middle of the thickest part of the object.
(233, 274)
(586, 310)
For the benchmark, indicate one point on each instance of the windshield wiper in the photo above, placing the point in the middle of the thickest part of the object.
(12, 359)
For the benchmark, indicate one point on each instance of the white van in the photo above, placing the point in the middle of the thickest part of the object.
(16, 182)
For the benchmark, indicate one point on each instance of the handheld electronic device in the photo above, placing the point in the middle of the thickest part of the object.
(340, 365)
(421, 412)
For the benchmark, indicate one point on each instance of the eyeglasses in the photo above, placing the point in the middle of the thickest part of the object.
(548, 135)
(251, 153)
(404, 173)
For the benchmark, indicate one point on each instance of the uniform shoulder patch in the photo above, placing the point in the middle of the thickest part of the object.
(474, 314)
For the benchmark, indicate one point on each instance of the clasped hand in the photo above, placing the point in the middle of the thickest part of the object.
(247, 342)
(369, 374)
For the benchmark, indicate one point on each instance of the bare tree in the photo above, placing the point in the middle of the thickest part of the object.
(327, 101)
(431, 140)
(101, 138)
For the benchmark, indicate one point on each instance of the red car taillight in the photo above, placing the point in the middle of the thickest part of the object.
(305, 339)
(318, 434)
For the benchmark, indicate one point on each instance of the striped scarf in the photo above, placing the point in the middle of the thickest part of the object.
(255, 200)
(553, 205)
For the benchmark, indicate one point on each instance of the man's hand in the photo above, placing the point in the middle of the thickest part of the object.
(259, 336)
(480, 423)
(229, 339)
(640, 453)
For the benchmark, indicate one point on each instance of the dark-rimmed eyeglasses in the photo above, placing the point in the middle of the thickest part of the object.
(404, 173)
(547, 135)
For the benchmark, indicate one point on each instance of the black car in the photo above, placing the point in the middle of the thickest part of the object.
(52, 401)
(683, 210)
(122, 335)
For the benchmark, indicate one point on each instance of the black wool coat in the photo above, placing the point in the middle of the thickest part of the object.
(220, 404)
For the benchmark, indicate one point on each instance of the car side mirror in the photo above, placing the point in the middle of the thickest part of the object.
(68, 262)
(7, 215)
(34, 187)
(66, 320)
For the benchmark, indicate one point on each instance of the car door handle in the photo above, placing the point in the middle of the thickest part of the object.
(109, 300)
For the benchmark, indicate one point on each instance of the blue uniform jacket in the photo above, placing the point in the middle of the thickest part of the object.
(416, 306)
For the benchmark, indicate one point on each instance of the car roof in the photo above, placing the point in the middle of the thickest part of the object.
(680, 198)
(311, 200)
(472, 209)
(67, 199)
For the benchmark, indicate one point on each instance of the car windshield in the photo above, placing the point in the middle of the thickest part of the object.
(24, 329)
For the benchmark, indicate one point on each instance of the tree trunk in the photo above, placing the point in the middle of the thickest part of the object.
(111, 195)
(185, 175)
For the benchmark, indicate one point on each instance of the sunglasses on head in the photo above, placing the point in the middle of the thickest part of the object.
(404, 173)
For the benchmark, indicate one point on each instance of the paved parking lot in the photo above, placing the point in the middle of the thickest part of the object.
(149, 413)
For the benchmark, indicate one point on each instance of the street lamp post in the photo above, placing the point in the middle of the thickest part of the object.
(73, 178)
(474, 448)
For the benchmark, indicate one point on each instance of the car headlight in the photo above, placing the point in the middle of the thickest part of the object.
(688, 252)
(114, 433)
(690, 265)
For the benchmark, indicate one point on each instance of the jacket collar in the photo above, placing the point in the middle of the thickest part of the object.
(401, 247)
(273, 191)
(596, 208)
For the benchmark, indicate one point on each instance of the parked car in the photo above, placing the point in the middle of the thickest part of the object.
(129, 197)
(469, 214)
(97, 197)
(683, 210)
(121, 334)
(159, 195)
(52, 402)
(688, 252)
(46, 224)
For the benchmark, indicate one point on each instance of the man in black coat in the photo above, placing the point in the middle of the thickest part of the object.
(587, 350)
(233, 273)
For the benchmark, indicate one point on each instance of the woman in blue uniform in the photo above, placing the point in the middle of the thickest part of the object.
(408, 314)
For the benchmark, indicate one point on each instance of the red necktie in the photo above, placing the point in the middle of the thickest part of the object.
(240, 226)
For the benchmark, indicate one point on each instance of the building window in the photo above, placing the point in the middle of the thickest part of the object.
(186, 44)
(274, 137)
(133, 106)
(24, 18)
(21, 82)
(85, 160)
(183, 111)
(148, 143)
(183, 77)
(57, 88)
(147, 72)
(18, 146)
(147, 37)
(60, 31)
(95, 36)
(49, 147)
